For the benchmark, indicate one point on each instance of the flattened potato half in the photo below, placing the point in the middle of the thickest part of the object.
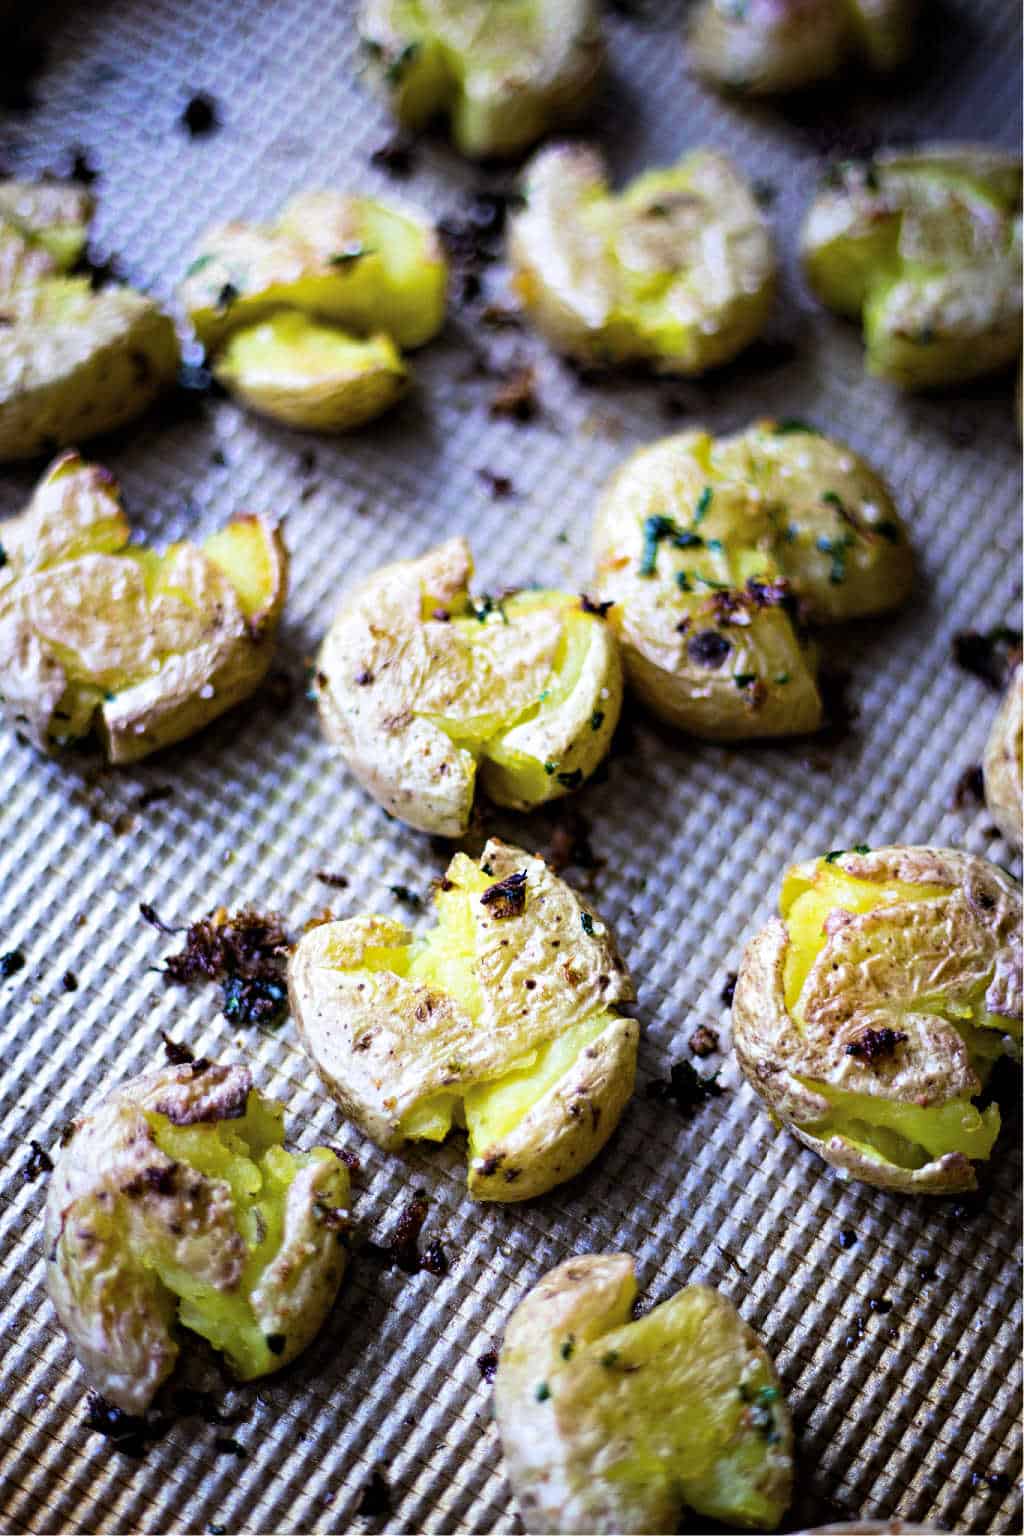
(503, 72)
(709, 547)
(504, 1018)
(868, 1015)
(925, 247)
(176, 1202)
(677, 270)
(1004, 774)
(609, 1425)
(73, 362)
(311, 375)
(423, 687)
(100, 634)
(765, 47)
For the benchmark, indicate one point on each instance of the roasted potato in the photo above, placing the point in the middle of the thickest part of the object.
(175, 1201)
(503, 1019)
(100, 634)
(310, 311)
(503, 72)
(677, 271)
(925, 247)
(867, 1017)
(610, 1425)
(308, 374)
(765, 47)
(1003, 773)
(73, 362)
(874, 1528)
(423, 687)
(710, 548)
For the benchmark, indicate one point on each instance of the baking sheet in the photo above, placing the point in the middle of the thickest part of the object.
(911, 1411)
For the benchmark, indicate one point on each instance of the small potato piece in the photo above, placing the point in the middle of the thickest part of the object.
(765, 47)
(868, 1015)
(504, 1018)
(705, 546)
(43, 229)
(311, 375)
(360, 264)
(422, 687)
(678, 270)
(609, 1425)
(75, 363)
(97, 633)
(925, 247)
(175, 1201)
(504, 72)
(1004, 776)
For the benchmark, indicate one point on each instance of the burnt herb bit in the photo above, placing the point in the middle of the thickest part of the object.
(704, 1041)
(970, 788)
(837, 853)
(337, 882)
(375, 1497)
(226, 296)
(11, 963)
(599, 610)
(728, 991)
(404, 894)
(258, 1000)
(708, 648)
(435, 1259)
(587, 924)
(790, 424)
(177, 1054)
(567, 1347)
(69, 981)
(243, 943)
(873, 1045)
(488, 1365)
(127, 1432)
(507, 898)
(38, 1162)
(685, 1088)
(991, 655)
(200, 115)
(403, 1247)
(702, 508)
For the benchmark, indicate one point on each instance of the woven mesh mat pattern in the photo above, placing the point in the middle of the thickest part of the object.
(912, 1411)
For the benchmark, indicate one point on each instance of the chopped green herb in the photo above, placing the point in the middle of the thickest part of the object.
(486, 869)
(403, 893)
(350, 254)
(683, 582)
(861, 848)
(687, 540)
(794, 424)
(543, 1392)
(549, 768)
(744, 679)
(655, 529)
(700, 512)
(716, 545)
(587, 924)
(782, 677)
(833, 499)
(709, 581)
(199, 263)
(400, 63)
(610, 1359)
(836, 548)
(791, 532)
(483, 607)
(597, 720)
(545, 695)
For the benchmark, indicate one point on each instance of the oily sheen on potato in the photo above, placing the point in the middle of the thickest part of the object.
(502, 72)
(427, 691)
(504, 1019)
(715, 553)
(74, 361)
(175, 1202)
(867, 1016)
(676, 271)
(924, 247)
(610, 1425)
(99, 634)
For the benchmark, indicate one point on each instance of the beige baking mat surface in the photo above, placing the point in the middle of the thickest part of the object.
(912, 1410)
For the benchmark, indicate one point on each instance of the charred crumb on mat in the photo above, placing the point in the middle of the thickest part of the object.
(704, 1041)
(996, 1482)
(396, 156)
(401, 1250)
(177, 1054)
(127, 1432)
(728, 991)
(200, 115)
(599, 610)
(685, 1088)
(516, 396)
(970, 788)
(993, 655)
(407, 897)
(374, 1498)
(500, 486)
(337, 881)
(69, 981)
(487, 1365)
(226, 1445)
(11, 963)
(154, 795)
(247, 952)
(37, 1163)
(847, 1238)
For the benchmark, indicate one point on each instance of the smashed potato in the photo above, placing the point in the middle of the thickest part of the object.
(304, 318)
(868, 1015)
(677, 271)
(610, 1425)
(709, 548)
(925, 248)
(424, 689)
(1002, 768)
(175, 1201)
(100, 634)
(503, 72)
(73, 362)
(503, 1019)
(765, 47)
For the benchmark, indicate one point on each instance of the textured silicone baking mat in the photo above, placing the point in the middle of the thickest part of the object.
(895, 1324)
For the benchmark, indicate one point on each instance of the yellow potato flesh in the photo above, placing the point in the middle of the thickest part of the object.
(240, 551)
(444, 961)
(247, 1154)
(906, 1134)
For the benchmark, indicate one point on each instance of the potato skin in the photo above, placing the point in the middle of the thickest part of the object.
(1004, 777)
(976, 930)
(389, 668)
(65, 585)
(822, 531)
(383, 1043)
(696, 224)
(74, 363)
(501, 85)
(925, 245)
(771, 46)
(115, 1193)
(559, 1439)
